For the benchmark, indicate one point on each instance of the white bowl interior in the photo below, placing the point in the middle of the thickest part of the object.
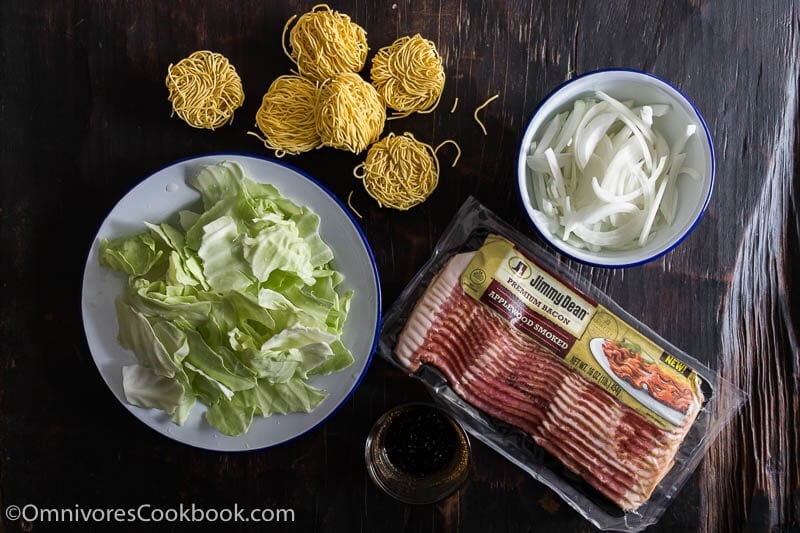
(642, 89)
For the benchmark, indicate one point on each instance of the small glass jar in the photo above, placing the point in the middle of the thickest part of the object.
(418, 453)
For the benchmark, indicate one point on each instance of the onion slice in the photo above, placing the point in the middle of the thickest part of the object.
(587, 138)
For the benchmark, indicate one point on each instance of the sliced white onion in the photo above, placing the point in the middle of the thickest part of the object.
(595, 213)
(612, 238)
(571, 124)
(646, 113)
(605, 150)
(555, 173)
(549, 133)
(539, 163)
(659, 110)
(604, 176)
(651, 213)
(621, 138)
(612, 198)
(626, 157)
(626, 115)
(669, 204)
(587, 138)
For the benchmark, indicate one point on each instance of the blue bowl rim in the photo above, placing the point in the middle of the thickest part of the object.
(706, 201)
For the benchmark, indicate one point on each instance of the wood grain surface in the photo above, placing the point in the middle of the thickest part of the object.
(85, 117)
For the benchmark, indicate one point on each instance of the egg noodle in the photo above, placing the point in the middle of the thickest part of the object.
(350, 205)
(286, 116)
(400, 172)
(409, 75)
(204, 89)
(349, 114)
(325, 43)
(475, 114)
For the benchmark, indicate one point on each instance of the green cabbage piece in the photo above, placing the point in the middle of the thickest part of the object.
(237, 307)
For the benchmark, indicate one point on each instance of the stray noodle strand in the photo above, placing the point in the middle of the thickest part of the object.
(350, 205)
(475, 114)
(455, 105)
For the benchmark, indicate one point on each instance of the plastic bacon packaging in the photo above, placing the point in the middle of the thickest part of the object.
(546, 369)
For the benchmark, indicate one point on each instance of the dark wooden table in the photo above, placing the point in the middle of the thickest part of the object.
(85, 117)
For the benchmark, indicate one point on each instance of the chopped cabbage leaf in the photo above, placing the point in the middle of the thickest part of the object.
(238, 306)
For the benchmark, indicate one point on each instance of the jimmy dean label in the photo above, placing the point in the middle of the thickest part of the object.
(531, 285)
(497, 297)
(584, 335)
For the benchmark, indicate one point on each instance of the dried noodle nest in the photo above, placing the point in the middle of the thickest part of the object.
(324, 43)
(204, 89)
(399, 171)
(286, 116)
(409, 75)
(349, 114)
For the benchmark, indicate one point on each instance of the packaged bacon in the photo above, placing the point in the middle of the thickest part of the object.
(547, 370)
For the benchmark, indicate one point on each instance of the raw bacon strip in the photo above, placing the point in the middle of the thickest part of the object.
(512, 378)
(472, 344)
(522, 404)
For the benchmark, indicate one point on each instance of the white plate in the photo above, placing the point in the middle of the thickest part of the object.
(671, 415)
(159, 198)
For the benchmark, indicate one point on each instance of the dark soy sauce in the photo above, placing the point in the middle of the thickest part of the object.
(417, 453)
(420, 441)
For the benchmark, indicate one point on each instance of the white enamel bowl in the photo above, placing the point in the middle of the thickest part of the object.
(642, 88)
